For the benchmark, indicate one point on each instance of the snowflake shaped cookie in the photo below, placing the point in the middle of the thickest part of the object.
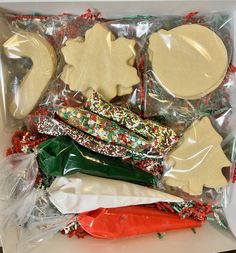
(101, 63)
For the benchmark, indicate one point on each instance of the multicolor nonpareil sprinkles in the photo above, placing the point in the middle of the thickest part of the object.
(102, 128)
(160, 137)
(152, 166)
(54, 127)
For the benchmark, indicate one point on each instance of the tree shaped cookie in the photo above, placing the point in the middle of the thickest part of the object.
(189, 61)
(101, 63)
(198, 160)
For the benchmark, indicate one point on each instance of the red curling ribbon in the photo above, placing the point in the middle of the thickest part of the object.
(130, 221)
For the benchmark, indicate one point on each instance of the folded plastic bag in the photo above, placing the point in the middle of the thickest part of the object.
(33, 220)
(17, 175)
(24, 210)
(80, 193)
(61, 156)
(43, 223)
(131, 221)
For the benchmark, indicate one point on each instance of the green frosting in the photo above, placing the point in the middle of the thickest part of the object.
(62, 156)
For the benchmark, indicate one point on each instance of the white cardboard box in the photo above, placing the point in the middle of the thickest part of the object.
(208, 239)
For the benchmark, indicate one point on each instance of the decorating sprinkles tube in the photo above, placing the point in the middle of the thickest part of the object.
(54, 127)
(162, 138)
(102, 128)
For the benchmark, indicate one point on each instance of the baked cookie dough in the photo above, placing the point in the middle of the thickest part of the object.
(189, 61)
(35, 82)
(101, 63)
(198, 160)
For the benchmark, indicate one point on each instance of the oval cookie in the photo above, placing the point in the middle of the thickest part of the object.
(189, 61)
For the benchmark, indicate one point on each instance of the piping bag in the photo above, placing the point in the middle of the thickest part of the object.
(102, 128)
(160, 137)
(51, 126)
(130, 221)
(80, 193)
(62, 156)
(54, 127)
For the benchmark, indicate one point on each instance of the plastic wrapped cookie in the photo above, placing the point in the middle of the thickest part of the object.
(101, 63)
(188, 61)
(198, 160)
(36, 81)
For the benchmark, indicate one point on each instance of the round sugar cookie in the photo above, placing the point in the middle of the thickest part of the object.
(189, 61)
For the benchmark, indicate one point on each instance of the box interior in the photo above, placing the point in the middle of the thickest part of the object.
(208, 238)
(112, 8)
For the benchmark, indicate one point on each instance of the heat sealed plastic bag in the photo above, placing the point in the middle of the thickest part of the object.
(179, 95)
(34, 60)
(32, 55)
(54, 38)
(197, 161)
(206, 42)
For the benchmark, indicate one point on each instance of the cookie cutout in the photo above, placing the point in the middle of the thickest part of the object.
(101, 63)
(35, 82)
(198, 160)
(189, 61)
